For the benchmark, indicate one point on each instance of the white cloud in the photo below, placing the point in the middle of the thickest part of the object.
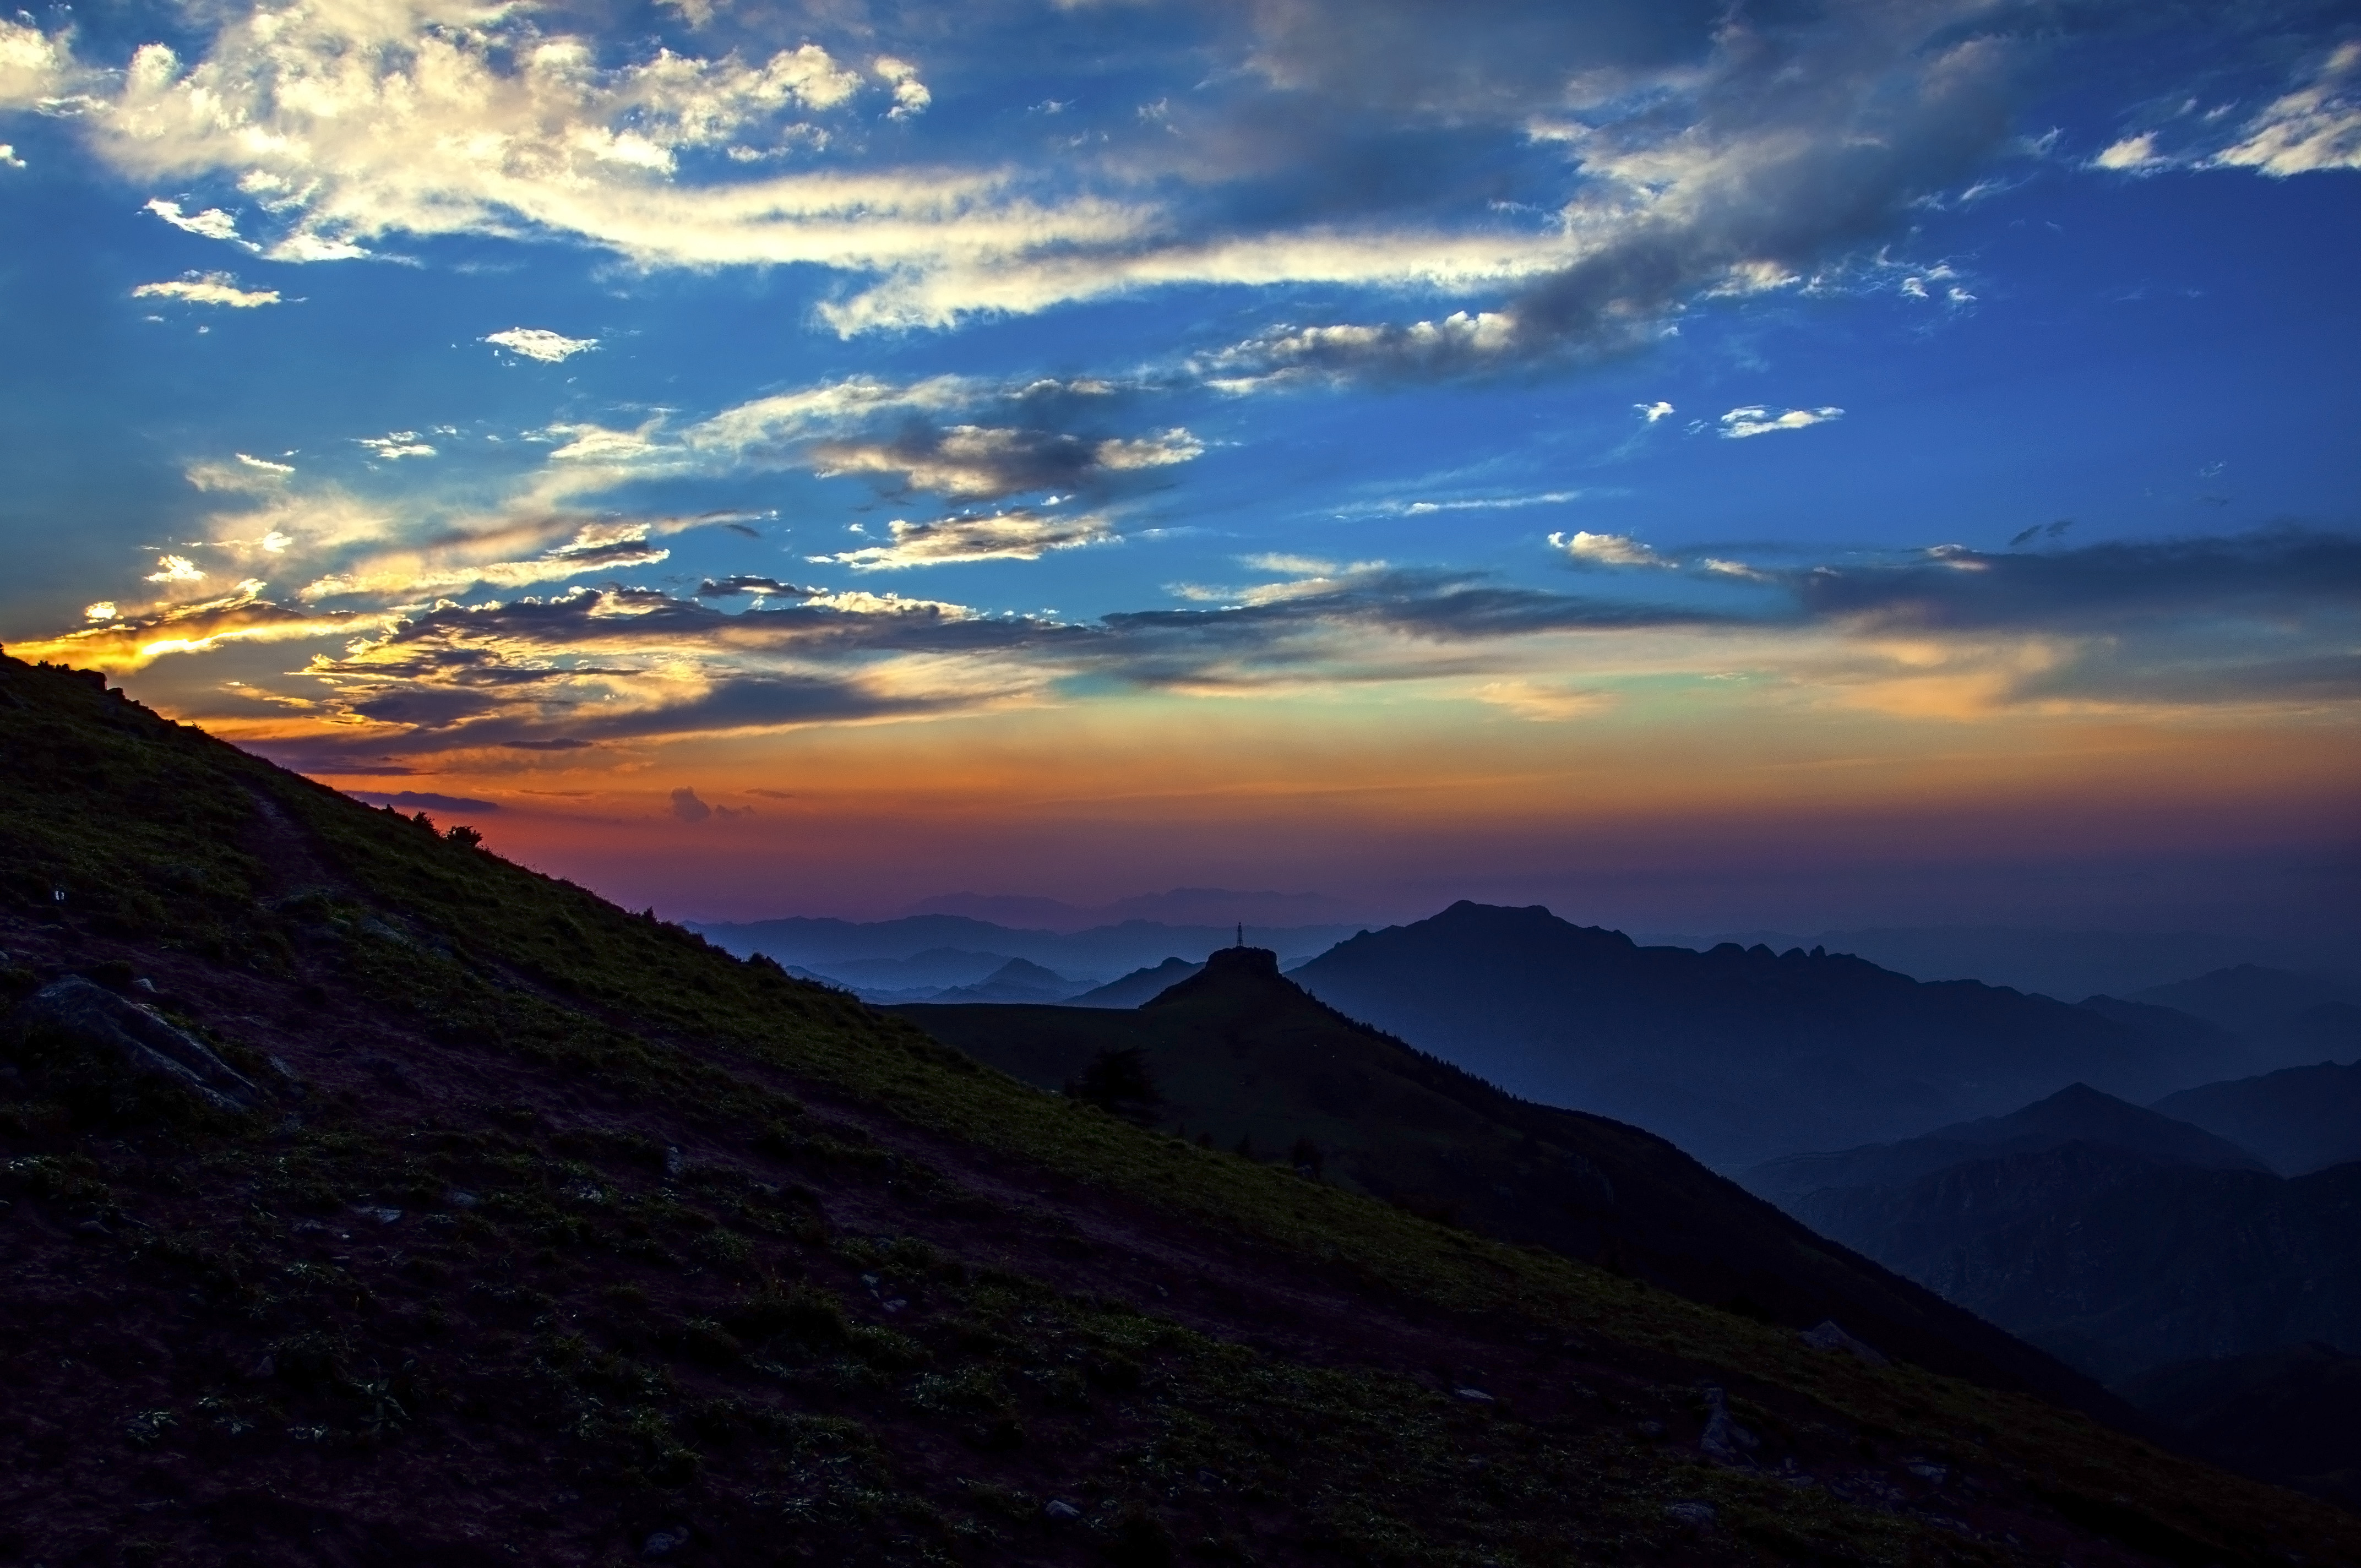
(266, 464)
(211, 224)
(208, 288)
(910, 95)
(2315, 128)
(1006, 536)
(1607, 550)
(1174, 446)
(1652, 413)
(597, 443)
(2132, 155)
(34, 67)
(401, 444)
(1757, 420)
(102, 610)
(175, 569)
(8, 158)
(538, 342)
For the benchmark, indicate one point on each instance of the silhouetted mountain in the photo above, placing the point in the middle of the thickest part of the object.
(2115, 1260)
(1139, 986)
(826, 945)
(934, 969)
(2286, 1415)
(1737, 1054)
(1244, 1058)
(1014, 980)
(2076, 1113)
(1263, 912)
(2063, 964)
(2300, 1119)
(2284, 1016)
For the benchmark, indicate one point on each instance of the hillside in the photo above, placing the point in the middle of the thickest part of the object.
(1238, 1056)
(2285, 1412)
(2285, 1015)
(1738, 1055)
(2300, 1119)
(549, 1234)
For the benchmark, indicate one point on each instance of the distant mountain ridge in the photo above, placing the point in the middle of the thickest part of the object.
(881, 960)
(2300, 1119)
(1739, 1055)
(2115, 1237)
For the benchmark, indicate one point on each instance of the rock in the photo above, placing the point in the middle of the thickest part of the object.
(382, 1216)
(1476, 1396)
(93, 1016)
(1059, 1509)
(674, 1162)
(1830, 1337)
(666, 1541)
(1696, 1516)
(392, 1074)
(1723, 1438)
(459, 1200)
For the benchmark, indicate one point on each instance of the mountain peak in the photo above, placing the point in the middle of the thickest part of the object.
(1228, 971)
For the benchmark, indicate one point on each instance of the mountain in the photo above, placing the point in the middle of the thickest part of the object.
(2064, 964)
(1238, 1056)
(371, 1200)
(2076, 1113)
(2300, 1119)
(2283, 1414)
(1140, 985)
(1014, 980)
(2111, 1236)
(828, 947)
(2284, 1016)
(1738, 1055)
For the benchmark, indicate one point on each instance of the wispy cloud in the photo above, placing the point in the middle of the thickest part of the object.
(1006, 536)
(208, 288)
(1756, 418)
(540, 342)
(1607, 550)
(401, 444)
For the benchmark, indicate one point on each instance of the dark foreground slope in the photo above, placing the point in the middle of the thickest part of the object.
(1739, 1054)
(561, 1237)
(1243, 1059)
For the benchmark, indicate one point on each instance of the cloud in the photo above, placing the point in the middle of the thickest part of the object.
(401, 444)
(983, 462)
(175, 569)
(538, 343)
(731, 587)
(1020, 535)
(1652, 413)
(2313, 127)
(422, 800)
(1541, 702)
(125, 643)
(34, 66)
(1757, 420)
(105, 610)
(687, 807)
(8, 158)
(2132, 155)
(208, 288)
(1607, 550)
(211, 224)
(910, 95)
(445, 568)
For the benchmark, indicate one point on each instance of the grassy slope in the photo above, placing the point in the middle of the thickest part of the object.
(693, 1340)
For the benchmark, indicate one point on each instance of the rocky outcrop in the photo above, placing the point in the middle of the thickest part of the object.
(90, 1016)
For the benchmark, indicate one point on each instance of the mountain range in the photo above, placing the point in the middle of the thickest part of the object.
(1741, 1054)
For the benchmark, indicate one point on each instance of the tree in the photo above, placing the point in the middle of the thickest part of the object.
(1119, 1082)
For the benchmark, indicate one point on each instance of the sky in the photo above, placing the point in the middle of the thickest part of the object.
(1818, 462)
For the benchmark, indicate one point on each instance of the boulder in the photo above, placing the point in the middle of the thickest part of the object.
(95, 1018)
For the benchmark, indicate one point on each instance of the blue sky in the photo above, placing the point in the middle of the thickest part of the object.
(531, 396)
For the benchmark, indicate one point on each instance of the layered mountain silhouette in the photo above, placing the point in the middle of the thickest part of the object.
(1740, 1053)
(1140, 985)
(2300, 1119)
(2287, 1017)
(2115, 1237)
(1241, 1058)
